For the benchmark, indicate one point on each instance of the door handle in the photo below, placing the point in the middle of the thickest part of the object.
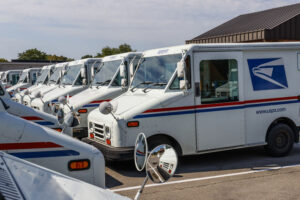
(197, 89)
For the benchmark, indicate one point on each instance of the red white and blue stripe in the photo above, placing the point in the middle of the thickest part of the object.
(94, 103)
(36, 150)
(38, 120)
(159, 112)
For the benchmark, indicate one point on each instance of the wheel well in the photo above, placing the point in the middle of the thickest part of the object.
(288, 122)
(173, 141)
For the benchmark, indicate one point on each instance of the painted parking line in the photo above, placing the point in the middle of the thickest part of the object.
(205, 178)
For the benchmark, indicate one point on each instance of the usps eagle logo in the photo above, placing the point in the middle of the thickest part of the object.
(267, 74)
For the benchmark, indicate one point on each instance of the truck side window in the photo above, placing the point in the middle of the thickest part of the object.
(175, 83)
(218, 81)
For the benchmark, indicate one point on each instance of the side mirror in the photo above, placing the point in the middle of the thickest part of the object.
(123, 82)
(183, 84)
(131, 68)
(60, 116)
(84, 81)
(162, 163)
(140, 152)
(62, 100)
(26, 92)
(122, 70)
(83, 72)
(70, 120)
(39, 94)
(105, 108)
(180, 69)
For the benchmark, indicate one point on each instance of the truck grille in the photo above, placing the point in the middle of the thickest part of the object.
(99, 131)
(8, 188)
(166, 165)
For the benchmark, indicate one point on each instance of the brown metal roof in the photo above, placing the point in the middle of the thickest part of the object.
(263, 20)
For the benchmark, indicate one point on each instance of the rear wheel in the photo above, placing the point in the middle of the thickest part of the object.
(280, 140)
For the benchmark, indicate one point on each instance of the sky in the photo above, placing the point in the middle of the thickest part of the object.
(74, 28)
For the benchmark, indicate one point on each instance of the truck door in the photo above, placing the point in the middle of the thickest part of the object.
(219, 101)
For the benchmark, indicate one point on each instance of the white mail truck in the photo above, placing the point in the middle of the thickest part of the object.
(110, 79)
(41, 81)
(27, 79)
(206, 98)
(75, 79)
(53, 83)
(21, 179)
(10, 78)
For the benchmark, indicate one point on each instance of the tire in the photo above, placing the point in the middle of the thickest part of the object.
(280, 140)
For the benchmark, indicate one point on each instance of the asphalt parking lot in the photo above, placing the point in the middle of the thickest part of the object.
(237, 174)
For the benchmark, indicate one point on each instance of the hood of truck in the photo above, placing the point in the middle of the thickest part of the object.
(44, 89)
(19, 85)
(62, 91)
(92, 97)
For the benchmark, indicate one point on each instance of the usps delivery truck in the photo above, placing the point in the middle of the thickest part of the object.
(206, 98)
(10, 78)
(45, 147)
(27, 79)
(75, 79)
(28, 113)
(42, 80)
(52, 84)
(110, 79)
(24, 180)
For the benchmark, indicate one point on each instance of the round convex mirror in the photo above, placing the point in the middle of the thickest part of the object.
(162, 163)
(60, 116)
(140, 151)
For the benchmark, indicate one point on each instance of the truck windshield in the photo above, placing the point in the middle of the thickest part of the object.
(43, 76)
(155, 71)
(23, 78)
(55, 76)
(71, 74)
(106, 73)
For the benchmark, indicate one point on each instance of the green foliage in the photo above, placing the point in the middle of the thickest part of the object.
(58, 58)
(32, 54)
(35, 54)
(86, 56)
(107, 51)
(2, 60)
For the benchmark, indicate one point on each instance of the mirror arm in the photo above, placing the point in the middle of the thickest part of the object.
(138, 194)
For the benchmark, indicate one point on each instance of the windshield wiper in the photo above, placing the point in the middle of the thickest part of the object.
(142, 83)
(104, 82)
(154, 84)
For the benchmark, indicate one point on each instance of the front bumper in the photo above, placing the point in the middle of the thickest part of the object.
(80, 132)
(112, 153)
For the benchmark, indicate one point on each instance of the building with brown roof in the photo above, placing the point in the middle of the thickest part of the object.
(273, 25)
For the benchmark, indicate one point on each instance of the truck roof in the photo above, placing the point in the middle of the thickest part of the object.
(223, 47)
(81, 61)
(120, 56)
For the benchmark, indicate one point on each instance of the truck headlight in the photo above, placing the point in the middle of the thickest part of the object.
(107, 132)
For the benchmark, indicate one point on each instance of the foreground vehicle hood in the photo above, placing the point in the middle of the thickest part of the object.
(92, 97)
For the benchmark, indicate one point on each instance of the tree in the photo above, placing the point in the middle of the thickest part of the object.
(32, 54)
(86, 56)
(2, 60)
(58, 58)
(107, 51)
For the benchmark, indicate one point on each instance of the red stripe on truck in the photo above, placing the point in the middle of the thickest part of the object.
(28, 145)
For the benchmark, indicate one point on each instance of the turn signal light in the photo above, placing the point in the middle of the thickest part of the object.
(82, 111)
(108, 141)
(133, 124)
(92, 135)
(58, 129)
(75, 165)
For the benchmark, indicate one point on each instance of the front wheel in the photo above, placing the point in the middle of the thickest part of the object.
(280, 140)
